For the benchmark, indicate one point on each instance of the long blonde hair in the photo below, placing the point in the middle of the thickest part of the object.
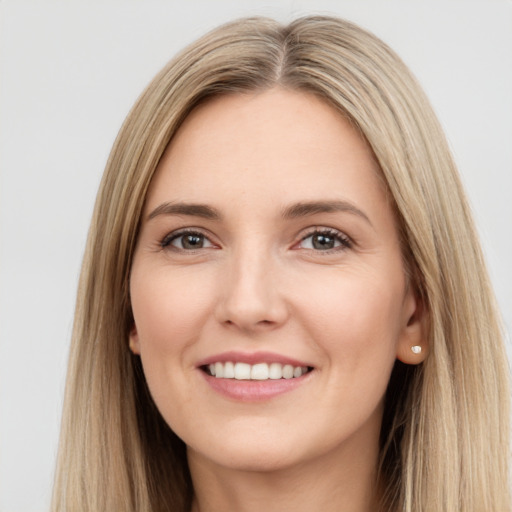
(444, 440)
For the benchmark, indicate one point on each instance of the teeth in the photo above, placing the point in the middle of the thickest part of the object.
(219, 370)
(242, 371)
(229, 371)
(287, 371)
(260, 371)
(275, 371)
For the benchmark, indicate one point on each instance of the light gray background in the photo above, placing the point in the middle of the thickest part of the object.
(69, 73)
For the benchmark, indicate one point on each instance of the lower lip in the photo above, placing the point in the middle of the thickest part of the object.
(254, 390)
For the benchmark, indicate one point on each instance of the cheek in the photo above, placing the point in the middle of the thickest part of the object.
(356, 320)
(168, 308)
(169, 311)
(357, 331)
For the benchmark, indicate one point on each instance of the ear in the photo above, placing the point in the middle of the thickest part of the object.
(134, 340)
(413, 346)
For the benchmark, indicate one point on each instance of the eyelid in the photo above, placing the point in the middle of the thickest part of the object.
(166, 241)
(345, 241)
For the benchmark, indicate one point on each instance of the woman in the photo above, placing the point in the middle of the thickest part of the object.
(283, 302)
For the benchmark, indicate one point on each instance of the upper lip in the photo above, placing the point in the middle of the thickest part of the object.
(251, 358)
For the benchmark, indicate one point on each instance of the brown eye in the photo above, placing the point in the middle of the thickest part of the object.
(188, 241)
(325, 241)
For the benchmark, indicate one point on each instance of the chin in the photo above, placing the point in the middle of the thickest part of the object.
(256, 450)
(254, 458)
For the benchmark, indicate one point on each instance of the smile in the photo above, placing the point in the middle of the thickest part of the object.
(254, 377)
(258, 371)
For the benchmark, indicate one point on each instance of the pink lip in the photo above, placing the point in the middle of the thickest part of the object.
(253, 390)
(251, 358)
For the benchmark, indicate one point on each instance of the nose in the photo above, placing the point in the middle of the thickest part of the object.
(251, 297)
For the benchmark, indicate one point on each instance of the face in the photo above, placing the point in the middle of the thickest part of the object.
(268, 287)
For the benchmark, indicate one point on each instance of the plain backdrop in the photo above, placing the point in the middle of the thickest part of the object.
(70, 71)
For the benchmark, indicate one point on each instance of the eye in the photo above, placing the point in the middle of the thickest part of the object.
(186, 241)
(325, 240)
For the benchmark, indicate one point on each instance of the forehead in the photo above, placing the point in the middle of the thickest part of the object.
(288, 145)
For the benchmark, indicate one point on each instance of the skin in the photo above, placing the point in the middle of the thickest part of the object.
(258, 283)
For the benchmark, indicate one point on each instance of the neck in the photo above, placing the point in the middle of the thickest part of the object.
(343, 480)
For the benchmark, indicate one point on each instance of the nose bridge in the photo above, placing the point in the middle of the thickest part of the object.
(252, 298)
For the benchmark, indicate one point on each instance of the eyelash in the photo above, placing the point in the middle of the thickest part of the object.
(168, 239)
(344, 241)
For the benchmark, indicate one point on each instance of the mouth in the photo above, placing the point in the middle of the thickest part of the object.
(258, 372)
(254, 377)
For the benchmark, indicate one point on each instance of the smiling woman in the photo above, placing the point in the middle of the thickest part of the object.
(283, 304)
(288, 275)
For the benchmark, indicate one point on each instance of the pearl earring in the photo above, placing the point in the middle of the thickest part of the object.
(416, 349)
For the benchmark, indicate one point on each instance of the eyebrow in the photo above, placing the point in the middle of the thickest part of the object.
(302, 209)
(305, 209)
(192, 209)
